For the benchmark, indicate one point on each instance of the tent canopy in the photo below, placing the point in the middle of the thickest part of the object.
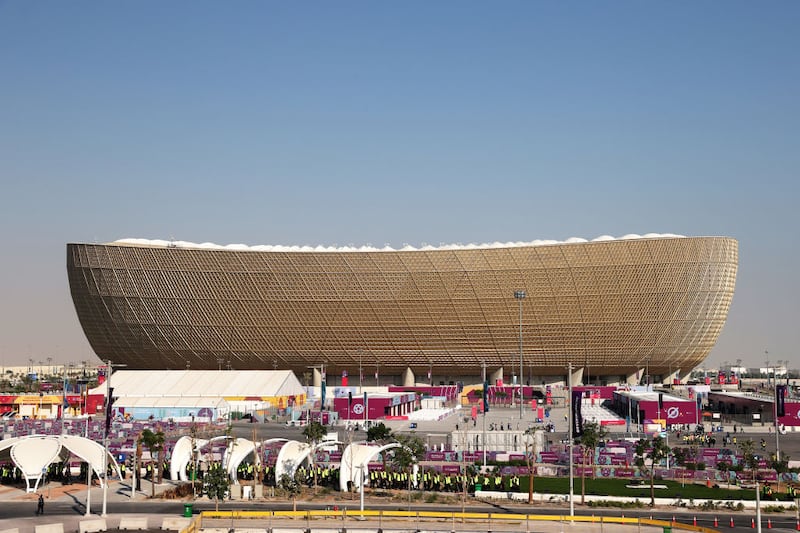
(186, 402)
(228, 384)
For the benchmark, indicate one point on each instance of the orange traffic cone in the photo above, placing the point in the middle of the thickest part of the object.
(716, 522)
(752, 523)
(673, 519)
(798, 526)
(732, 522)
(694, 521)
(769, 523)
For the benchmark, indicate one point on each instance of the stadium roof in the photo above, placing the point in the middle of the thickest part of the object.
(369, 248)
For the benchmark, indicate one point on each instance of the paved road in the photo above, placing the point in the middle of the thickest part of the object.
(15, 515)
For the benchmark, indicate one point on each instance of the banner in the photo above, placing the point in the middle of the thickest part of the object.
(780, 400)
(577, 416)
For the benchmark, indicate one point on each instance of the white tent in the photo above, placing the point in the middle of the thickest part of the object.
(203, 383)
(32, 454)
(215, 392)
(355, 459)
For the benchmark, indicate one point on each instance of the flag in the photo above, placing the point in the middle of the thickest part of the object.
(577, 415)
(109, 408)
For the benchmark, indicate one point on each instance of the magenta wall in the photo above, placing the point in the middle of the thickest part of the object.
(673, 412)
(792, 417)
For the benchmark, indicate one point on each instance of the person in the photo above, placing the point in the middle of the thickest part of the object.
(40, 505)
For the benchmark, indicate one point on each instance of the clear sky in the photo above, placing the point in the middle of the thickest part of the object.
(397, 122)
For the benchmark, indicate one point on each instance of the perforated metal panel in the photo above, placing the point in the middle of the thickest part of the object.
(613, 306)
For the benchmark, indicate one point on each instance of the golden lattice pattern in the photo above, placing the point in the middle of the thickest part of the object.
(613, 306)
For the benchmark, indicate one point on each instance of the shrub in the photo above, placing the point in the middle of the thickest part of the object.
(636, 504)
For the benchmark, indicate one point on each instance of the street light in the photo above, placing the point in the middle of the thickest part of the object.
(108, 414)
(520, 295)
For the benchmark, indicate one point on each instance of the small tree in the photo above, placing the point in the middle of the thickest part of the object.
(379, 433)
(314, 433)
(292, 486)
(593, 433)
(408, 455)
(154, 441)
(216, 483)
(655, 451)
(748, 448)
(382, 435)
(530, 457)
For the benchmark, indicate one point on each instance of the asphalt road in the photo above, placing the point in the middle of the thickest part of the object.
(12, 512)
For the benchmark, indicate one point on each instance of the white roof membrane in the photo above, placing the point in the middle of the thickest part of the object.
(386, 248)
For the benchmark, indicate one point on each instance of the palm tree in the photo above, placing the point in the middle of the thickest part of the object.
(748, 448)
(593, 433)
(155, 444)
(655, 450)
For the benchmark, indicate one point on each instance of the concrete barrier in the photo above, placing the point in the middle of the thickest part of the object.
(50, 528)
(92, 526)
(175, 523)
(133, 522)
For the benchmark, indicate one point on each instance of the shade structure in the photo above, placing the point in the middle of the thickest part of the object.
(32, 454)
(611, 305)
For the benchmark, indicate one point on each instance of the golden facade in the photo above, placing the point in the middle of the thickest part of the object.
(611, 307)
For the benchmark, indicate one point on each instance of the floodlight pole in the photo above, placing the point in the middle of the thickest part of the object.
(777, 432)
(520, 295)
(105, 438)
(88, 479)
(569, 441)
(485, 394)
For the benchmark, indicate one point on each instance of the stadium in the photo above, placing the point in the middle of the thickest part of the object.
(615, 309)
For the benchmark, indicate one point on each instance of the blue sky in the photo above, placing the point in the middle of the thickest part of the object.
(405, 122)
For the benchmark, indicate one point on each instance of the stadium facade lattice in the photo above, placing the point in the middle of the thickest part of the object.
(613, 308)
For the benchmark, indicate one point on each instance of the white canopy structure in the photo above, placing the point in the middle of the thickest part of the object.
(182, 454)
(355, 459)
(32, 454)
(203, 383)
(202, 393)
